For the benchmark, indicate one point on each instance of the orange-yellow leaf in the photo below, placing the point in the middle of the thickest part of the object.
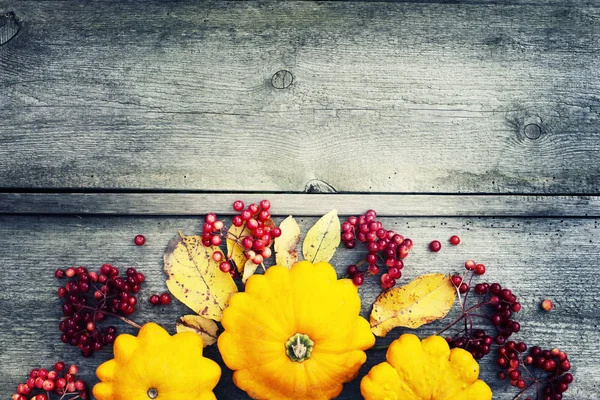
(235, 250)
(195, 279)
(322, 239)
(425, 299)
(206, 328)
(286, 245)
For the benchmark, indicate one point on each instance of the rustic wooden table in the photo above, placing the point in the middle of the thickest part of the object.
(476, 118)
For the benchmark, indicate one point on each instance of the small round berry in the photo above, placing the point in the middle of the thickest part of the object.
(238, 205)
(217, 256)
(352, 270)
(154, 299)
(480, 269)
(139, 240)
(358, 279)
(247, 242)
(246, 215)
(257, 259)
(275, 232)
(237, 221)
(165, 298)
(59, 366)
(435, 246)
(265, 204)
(547, 305)
(373, 269)
(225, 266)
(70, 272)
(218, 225)
(454, 240)
(216, 240)
(470, 265)
(456, 280)
(210, 218)
(266, 253)
(59, 273)
(463, 288)
(252, 224)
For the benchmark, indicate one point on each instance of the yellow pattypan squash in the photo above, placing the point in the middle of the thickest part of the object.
(425, 370)
(295, 333)
(156, 365)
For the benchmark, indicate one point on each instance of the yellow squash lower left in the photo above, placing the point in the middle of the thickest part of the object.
(156, 365)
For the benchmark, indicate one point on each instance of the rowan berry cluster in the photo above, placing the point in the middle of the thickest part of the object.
(543, 372)
(257, 233)
(60, 381)
(386, 249)
(492, 302)
(89, 298)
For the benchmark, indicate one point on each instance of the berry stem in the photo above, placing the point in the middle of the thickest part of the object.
(126, 320)
(522, 392)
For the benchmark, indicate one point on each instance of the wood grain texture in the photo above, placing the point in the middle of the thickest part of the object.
(300, 204)
(393, 97)
(536, 258)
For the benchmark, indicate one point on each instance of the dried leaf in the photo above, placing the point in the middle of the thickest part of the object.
(425, 299)
(206, 328)
(195, 279)
(235, 250)
(286, 245)
(322, 239)
(249, 269)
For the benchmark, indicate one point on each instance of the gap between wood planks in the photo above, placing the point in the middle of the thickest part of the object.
(303, 204)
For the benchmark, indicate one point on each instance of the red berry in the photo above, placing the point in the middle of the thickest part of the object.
(216, 240)
(238, 205)
(237, 221)
(547, 305)
(470, 265)
(463, 288)
(456, 280)
(253, 208)
(358, 279)
(154, 299)
(217, 256)
(435, 246)
(252, 224)
(48, 385)
(165, 298)
(210, 218)
(73, 370)
(59, 366)
(480, 269)
(218, 225)
(275, 232)
(352, 270)
(373, 269)
(225, 266)
(454, 240)
(139, 240)
(70, 272)
(246, 215)
(265, 204)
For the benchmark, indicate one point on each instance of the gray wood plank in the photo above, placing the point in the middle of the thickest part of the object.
(397, 97)
(300, 204)
(536, 258)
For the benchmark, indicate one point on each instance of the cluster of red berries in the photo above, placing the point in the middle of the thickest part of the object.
(89, 297)
(258, 233)
(543, 371)
(164, 299)
(60, 380)
(498, 305)
(385, 248)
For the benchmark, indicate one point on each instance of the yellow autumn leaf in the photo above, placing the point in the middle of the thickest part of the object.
(235, 250)
(322, 239)
(425, 299)
(195, 279)
(249, 269)
(286, 245)
(206, 328)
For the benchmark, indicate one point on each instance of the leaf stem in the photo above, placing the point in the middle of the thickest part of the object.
(126, 320)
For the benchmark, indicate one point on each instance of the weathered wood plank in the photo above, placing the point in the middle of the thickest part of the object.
(536, 258)
(299, 204)
(397, 97)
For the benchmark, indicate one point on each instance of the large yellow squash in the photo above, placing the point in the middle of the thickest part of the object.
(155, 365)
(295, 333)
(426, 370)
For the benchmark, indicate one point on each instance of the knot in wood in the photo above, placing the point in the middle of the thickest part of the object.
(532, 131)
(9, 27)
(282, 79)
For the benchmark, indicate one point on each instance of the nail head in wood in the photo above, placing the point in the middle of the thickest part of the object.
(282, 79)
(9, 27)
(532, 131)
